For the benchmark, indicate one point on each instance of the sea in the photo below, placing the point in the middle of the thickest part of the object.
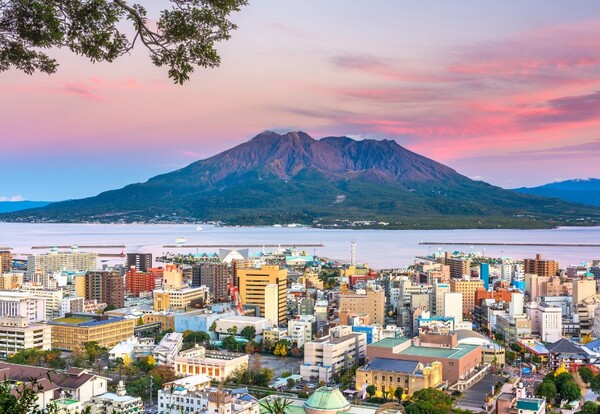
(379, 249)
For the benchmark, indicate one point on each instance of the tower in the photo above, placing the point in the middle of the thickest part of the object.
(353, 254)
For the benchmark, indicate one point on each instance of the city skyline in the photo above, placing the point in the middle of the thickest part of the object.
(506, 93)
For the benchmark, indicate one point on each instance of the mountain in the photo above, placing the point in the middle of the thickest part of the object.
(10, 206)
(292, 177)
(582, 191)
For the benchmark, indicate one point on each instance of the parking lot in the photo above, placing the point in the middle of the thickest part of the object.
(279, 365)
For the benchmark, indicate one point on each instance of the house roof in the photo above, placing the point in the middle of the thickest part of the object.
(70, 380)
(564, 346)
(391, 365)
(328, 399)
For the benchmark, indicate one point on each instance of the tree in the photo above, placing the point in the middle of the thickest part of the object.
(398, 393)
(561, 379)
(249, 333)
(213, 327)
(230, 343)
(93, 350)
(515, 347)
(570, 391)
(290, 382)
(589, 407)
(586, 374)
(277, 405)
(371, 390)
(232, 331)
(183, 37)
(251, 347)
(280, 349)
(547, 390)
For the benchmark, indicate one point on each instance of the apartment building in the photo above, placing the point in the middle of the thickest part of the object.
(17, 334)
(215, 276)
(372, 302)
(105, 286)
(467, 287)
(56, 261)
(540, 266)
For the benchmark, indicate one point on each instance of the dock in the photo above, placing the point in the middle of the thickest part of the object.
(236, 246)
(427, 243)
(99, 246)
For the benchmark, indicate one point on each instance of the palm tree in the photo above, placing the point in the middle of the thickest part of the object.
(277, 405)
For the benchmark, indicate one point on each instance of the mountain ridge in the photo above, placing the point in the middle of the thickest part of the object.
(282, 178)
(578, 190)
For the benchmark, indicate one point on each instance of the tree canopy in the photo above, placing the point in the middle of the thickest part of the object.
(182, 38)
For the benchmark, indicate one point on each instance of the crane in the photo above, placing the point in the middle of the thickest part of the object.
(234, 293)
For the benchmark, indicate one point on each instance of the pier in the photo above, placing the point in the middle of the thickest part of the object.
(236, 246)
(99, 246)
(427, 243)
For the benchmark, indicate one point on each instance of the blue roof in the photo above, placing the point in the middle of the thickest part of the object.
(392, 365)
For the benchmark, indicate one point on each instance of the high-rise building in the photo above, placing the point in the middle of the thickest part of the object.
(23, 304)
(453, 306)
(467, 287)
(137, 282)
(372, 302)
(11, 281)
(459, 267)
(583, 289)
(56, 261)
(437, 298)
(105, 286)
(215, 276)
(540, 267)
(172, 277)
(252, 285)
(484, 274)
(141, 261)
(6, 259)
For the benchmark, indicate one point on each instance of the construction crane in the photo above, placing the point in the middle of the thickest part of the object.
(234, 293)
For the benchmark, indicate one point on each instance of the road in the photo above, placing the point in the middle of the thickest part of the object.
(474, 398)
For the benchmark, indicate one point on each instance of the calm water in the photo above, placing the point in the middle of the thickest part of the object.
(378, 248)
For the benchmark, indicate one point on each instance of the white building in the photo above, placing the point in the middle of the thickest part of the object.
(217, 365)
(58, 261)
(17, 334)
(324, 357)
(546, 321)
(168, 347)
(301, 330)
(22, 304)
(240, 322)
(437, 298)
(71, 304)
(453, 306)
(53, 298)
(111, 403)
(133, 348)
(272, 303)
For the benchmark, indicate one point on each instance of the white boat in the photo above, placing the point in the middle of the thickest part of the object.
(277, 225)
(180, 240)
(199, 228)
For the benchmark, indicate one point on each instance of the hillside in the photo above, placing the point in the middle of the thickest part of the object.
(582, 191)
(288, 178)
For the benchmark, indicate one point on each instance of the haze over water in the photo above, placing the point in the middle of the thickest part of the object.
(378, 248)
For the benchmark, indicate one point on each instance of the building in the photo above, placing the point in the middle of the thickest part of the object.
(302, 329)
(583, 289)
(6, 260)
(239, 322)
(105, 286)
(56, 261)
(546, 321)
(437, 298)
(114, 403)
(17, 334)
(71, 304)
(52, 298)
(140, 261)
(540, 267)
(325, 357)
(168, 348)
(215, 276)
(74, 330)
(137, 282)
(513, 328)
(252, 284)
(484, 274)
(459, 267)
(389, 374)
(453, 306)
(459, 361)
(22, 304)
(217, 365)
(181, 298)
(172, 277)
(467, 287)
(78, 383)
(10, 281)
(372, 302)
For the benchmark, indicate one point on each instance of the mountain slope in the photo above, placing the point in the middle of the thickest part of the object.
(582, 191)
(277, 178)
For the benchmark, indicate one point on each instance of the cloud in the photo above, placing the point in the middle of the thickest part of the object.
(12, 198)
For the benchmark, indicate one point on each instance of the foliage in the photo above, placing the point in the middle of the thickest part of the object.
(371, 390)
(249, 333)
(398, 393)
(587, 375)
(429, 401)
(93, 350)
(498, 336)
(157, 377)
(286, 374)
(213, 327)
(184, 36)
(547, 390)
(290, 382)
(109, 308)
(510, 357)
(24, 399)
(589, 407)
(232, 331)
(249, 376)
(595, 384)
(251, 347)
(536, 359)
(231, 344)
(146, 363)
(31, 356)
(282, 348)
(515, 347)
(276, 405)
(570, 391)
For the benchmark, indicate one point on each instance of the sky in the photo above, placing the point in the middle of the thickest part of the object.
(506, 92)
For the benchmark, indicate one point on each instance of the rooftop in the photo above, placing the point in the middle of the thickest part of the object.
(391, 365)
(449, 353)
(390, 342)
(533, 404)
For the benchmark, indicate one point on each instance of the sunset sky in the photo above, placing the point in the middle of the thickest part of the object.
(503, 91)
